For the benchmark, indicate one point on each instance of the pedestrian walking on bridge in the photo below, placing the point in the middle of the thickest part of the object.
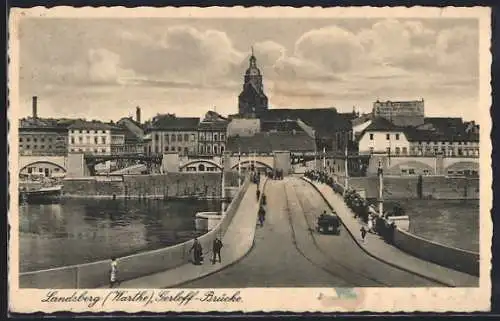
(258, 194)
(197, 252)
(216, 247)
(262, 216)
(363, 233)
(113, 280)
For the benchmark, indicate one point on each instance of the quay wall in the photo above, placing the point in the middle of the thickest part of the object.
(96, 274)
(453, 258)
(433, 187)
(160, 185)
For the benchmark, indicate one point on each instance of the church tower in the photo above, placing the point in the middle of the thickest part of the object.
(252, 101)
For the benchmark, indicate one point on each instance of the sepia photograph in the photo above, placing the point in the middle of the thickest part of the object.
(258, 159)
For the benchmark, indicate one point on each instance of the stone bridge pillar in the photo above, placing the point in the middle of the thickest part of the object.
(226, 162)
(170, 162)
(282, 161)
(77, 166)
(440, 165)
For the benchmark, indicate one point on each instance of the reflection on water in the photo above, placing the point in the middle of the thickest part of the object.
(449, 222)
(80, 231)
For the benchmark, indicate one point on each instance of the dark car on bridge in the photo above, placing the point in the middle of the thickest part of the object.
(328, 224)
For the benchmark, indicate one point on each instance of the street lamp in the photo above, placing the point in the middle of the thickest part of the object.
(223, 191)
(346, 165)
(380, 173)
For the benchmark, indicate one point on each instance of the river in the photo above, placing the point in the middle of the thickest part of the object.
(81, 231)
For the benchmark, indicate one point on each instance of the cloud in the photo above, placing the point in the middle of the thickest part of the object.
(332, 48)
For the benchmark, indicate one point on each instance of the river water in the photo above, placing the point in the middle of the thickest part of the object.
(449, 222)
(81, 231)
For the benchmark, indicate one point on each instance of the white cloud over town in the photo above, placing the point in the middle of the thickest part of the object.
(327, 65)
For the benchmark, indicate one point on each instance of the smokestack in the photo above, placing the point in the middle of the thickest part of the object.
(138, 114)
(34, 105)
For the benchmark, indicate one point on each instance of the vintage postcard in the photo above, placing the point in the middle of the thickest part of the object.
(249, 159)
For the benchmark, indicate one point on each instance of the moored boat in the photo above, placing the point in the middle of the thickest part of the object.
(41, 195)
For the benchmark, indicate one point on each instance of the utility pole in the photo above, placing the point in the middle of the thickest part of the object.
(239, 168)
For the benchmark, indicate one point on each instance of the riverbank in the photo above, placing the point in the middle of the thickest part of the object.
(161, 186)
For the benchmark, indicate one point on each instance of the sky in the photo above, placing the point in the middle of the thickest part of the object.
(104, 68)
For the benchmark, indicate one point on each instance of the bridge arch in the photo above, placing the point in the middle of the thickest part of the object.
(198, 163)
(248, 162)
(43, 164)
(417, 166)
(463, 166)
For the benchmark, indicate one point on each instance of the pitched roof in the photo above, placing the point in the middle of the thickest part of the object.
(271, 141)
(171, 122)
(325, 121)
(280, 126)
(382, 124)
(93, 125)
(213, 125)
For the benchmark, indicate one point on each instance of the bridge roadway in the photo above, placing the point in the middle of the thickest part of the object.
(289, 253)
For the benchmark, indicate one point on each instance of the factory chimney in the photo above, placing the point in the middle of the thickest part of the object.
(34, 106)
(138, 114)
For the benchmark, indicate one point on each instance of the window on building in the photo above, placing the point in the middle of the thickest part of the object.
(88, 131)
(179, 137)
(166, 148)
(50, 140)
(103, 139)
(34, 140)
(186, 137)
(387, 136)
(27, 146)
(397, 136)
(42, 146)
(371, 136)
(103, 150)
(72, 140)
(20, 139)
(80, 139)
(201, 149)
(388, 150)
(96, 140)
(371, 150)
(216, 150)
(157, 138)
(193, 137)
(166, 137)
(179, 149)
(222, 149)
(42, 139)
(411, 171)
(40, 170)
(30, 170)
(80, 150)
(405, 150)
(186, 150)
(173, 137)
(397, 151)
(215, 136)
(35, 146)
(95, 150)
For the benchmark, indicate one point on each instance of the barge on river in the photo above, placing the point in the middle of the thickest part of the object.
(40, 195)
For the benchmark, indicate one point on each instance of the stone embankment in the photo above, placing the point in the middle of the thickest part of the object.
(170, 185)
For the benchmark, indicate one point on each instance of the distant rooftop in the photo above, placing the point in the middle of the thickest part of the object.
(172, 122)
(271, 141)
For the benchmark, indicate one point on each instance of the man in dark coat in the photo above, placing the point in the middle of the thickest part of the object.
(262, 216)
(197, 252)
(216, 247)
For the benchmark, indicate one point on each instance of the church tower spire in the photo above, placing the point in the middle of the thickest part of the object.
(252, 100)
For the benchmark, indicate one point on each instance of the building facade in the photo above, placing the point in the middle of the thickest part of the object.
(169, 133)
(212, 134)
(42, 138)
(252, 101)
(94, 137)
(401, 113)
(381, 136)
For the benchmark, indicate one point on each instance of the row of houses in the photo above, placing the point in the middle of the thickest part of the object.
(299, 130)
